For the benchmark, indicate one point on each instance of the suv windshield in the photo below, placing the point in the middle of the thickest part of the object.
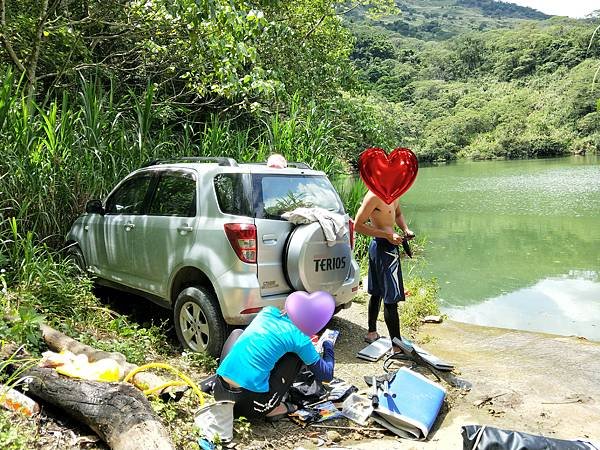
(277, 194)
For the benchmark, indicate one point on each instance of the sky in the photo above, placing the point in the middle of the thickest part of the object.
(573, 8)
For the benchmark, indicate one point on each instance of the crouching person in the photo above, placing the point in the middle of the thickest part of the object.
(259, 365)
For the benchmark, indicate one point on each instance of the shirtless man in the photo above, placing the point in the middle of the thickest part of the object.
(377, 219)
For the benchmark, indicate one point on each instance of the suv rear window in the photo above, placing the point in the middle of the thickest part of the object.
(276, 194)
(268, 196)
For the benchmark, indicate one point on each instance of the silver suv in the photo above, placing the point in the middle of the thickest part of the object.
(205, 237)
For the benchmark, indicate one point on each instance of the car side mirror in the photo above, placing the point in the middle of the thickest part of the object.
(94, 207)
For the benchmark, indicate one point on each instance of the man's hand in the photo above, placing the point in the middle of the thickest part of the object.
(328, 343)
(408, 235)
(394, 238)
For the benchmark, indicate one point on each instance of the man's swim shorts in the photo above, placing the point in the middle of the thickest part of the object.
(385, 274)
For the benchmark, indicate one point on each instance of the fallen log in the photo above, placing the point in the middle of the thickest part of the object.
(118, 412)
(59, 342)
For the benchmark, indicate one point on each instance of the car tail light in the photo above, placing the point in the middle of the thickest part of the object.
(351, 230)
(242, 237)
(251, 310)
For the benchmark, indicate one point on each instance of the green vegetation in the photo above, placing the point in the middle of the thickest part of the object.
(523, 90)
(15, 433)
(422, 301)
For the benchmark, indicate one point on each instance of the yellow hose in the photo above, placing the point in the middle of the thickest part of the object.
(187, 381)
(164, 386)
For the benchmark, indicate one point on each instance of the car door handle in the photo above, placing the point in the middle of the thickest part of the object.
(269, 239)
(185, 228)
(129, 226)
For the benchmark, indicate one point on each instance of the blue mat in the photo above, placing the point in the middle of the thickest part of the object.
(413, 405)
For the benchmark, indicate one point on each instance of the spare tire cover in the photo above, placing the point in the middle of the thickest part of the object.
(311, 265)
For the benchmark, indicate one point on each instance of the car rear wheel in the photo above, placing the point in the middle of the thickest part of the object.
(198, 321)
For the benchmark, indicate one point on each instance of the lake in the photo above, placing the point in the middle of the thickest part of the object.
(513, 244)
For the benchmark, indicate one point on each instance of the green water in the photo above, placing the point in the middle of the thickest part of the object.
(513, 244)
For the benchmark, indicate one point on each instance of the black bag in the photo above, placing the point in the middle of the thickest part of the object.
(305, 389)
(476, 437)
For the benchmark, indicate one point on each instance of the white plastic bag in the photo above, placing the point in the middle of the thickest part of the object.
(216, 419)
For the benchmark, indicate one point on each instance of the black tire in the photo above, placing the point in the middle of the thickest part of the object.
(198, 321)
(75, 255)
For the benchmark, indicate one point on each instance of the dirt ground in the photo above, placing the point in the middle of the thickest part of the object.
(529, 382)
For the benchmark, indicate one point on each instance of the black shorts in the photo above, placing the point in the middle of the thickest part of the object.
(252, 404)
(385, 273)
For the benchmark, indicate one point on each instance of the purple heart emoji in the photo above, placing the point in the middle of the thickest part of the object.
(310, 312)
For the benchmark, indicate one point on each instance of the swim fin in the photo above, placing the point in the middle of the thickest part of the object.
(440, 368)
(406, 247)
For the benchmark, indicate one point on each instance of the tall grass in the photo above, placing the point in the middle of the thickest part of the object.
(58, 155)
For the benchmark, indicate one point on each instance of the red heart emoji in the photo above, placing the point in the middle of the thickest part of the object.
(388, 176)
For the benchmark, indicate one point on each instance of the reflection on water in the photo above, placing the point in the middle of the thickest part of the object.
(561, 306)
(504, 233)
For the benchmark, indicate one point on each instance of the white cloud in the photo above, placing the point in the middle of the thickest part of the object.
(573, 8)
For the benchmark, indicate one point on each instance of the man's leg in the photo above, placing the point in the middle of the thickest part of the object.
(392, 320)
(374, 287)
(259, 404)
(374, 305)
(393, 290)
(282, 376)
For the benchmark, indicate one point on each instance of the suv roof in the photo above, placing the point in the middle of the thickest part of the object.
(221, 161)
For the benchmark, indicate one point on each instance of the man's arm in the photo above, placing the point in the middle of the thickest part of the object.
(362, 217)
(323, 368)
(402, 223)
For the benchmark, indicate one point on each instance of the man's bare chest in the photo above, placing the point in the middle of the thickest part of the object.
(384, 214)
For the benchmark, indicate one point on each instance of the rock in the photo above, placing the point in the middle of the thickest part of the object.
(333, 436)
(432, 319)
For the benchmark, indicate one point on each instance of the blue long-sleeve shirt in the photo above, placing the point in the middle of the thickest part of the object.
(323, 368)
(268, 337)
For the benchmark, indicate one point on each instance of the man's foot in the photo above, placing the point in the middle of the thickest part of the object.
(396, 349)
(371, 337)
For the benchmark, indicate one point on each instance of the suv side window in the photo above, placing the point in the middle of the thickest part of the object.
(232, 191)
(175, 195)
(129, 198)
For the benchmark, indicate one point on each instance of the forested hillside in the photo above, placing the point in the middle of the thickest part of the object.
(473, 79)
(441, 19)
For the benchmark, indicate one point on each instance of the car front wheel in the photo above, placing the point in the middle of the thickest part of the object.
(75, 255)
(198, 321)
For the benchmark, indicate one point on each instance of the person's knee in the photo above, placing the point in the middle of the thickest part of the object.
(229, 343)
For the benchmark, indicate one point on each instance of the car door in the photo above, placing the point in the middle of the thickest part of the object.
(118, 227)
(167, 230)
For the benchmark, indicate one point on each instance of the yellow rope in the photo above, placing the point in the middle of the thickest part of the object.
(189, 382)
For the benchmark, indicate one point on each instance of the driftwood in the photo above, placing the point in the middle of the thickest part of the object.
(118, 412)
(58, 342)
